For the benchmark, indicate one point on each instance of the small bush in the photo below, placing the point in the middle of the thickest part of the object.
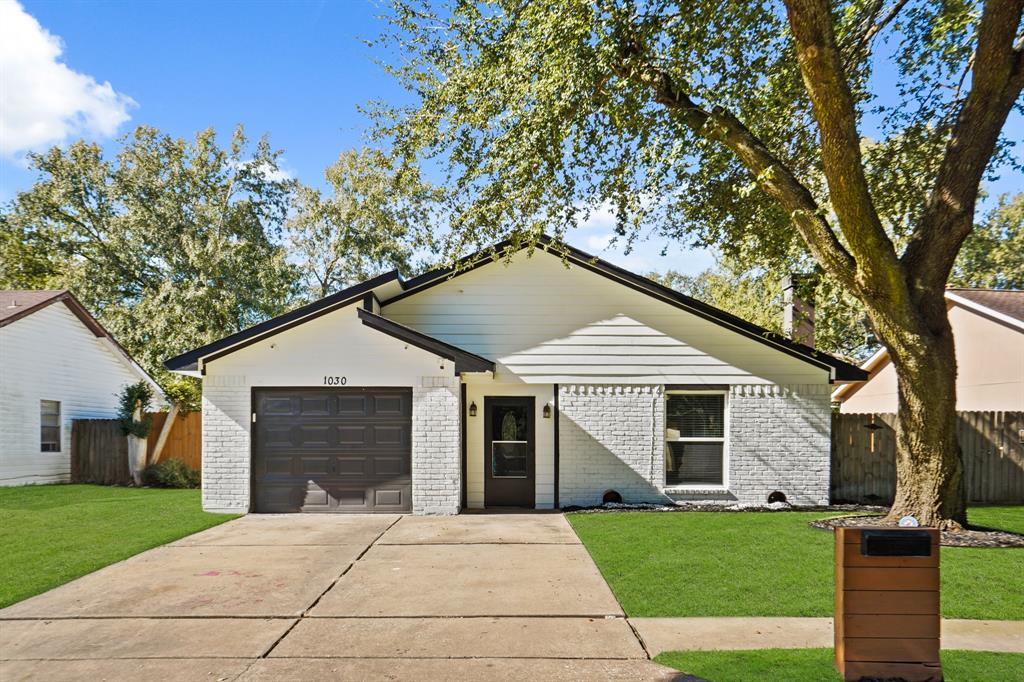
(172, 473)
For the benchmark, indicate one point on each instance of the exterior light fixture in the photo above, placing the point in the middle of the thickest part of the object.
(472, 409)
(547, 410)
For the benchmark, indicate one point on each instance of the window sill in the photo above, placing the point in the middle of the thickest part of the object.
(695, 489)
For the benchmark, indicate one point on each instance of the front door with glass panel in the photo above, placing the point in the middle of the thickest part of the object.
(510, 464)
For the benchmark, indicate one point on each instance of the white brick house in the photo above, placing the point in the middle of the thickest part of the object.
(531, 380)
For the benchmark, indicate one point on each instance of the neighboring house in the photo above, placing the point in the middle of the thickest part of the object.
(520, 383)
(57, 364)
(988, 332)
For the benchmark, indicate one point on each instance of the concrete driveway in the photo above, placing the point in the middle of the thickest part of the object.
(303, 597)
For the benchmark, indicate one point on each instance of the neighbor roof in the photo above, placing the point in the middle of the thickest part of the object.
(1004, 305)
(20, 303)
(186, 362)
(996, 302)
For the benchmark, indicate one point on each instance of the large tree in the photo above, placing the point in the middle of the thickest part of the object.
(172, 243)
(370, 222)
(736, 123)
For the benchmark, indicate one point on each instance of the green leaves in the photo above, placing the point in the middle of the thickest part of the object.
(376, 215)
(173, 243)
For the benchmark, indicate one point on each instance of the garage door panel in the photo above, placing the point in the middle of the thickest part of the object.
(312, 435)
(333, 450)
(389, 466)
(392, 406)
(277, 406)
(354, 405)
(316, 406)
(352, 466)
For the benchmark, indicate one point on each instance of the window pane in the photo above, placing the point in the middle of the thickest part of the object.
(508, 422)
(689, 463)
(696, 416)
(508, 460)
(49, 422)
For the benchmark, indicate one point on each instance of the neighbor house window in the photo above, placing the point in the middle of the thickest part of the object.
(695, 438)
(49, 422)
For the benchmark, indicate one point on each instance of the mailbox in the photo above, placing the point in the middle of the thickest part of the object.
(887, 603)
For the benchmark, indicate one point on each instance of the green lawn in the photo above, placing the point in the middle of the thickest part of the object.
(51, 534)
(815, 665)
(772, 564)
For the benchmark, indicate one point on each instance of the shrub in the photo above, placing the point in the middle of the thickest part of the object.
(172, 473)
(135, 395)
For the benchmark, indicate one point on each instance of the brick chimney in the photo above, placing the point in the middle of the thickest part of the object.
(798, 314)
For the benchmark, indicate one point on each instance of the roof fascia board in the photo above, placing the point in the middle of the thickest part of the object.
(985, 310)
(194, 359)
(464, 360)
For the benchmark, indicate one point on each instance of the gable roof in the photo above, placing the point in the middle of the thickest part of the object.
(838, 369)
(20, 303)
(1004, 305)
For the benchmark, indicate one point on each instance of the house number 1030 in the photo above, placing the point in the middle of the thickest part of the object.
(335, 381)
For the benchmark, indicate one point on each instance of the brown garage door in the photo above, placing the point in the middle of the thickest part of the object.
(332, 450)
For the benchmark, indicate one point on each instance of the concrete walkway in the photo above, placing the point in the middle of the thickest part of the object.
(695, 634)
(337, 597)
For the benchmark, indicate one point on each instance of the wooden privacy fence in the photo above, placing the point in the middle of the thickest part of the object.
(99, 452)
(99, 449)
(864, 457)
(185, 442)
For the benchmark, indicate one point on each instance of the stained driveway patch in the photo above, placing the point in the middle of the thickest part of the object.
(294, 529)
(471, 580)
(198, 581)
(87, 638)
(460, 637)
(482, 529)
(162, 669)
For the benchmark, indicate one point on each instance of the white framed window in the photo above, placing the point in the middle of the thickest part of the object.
(49, 426)
(695, 438)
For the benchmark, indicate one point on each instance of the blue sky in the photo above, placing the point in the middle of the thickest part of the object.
(295, 70)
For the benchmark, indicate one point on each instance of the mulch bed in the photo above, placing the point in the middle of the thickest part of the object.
(613, 507)
(973, 536)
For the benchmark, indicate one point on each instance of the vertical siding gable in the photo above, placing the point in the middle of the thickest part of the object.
(543, 323)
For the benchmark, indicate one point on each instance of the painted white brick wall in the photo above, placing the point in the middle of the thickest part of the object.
(226, 419)
(779, 439)
(436, 450)
(611, 437)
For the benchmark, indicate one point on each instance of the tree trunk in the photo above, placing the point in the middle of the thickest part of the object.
(929, 468)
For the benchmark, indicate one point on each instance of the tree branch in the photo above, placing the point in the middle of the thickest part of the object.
(824, 77)
(769, 171)
(996, 82)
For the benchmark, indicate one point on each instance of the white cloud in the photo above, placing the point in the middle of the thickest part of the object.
(42, 101)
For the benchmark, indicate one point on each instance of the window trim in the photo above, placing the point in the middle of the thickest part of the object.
(60, 428)
(724, 440)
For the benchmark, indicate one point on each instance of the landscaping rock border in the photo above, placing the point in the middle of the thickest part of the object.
(973, 536)
(612, 507)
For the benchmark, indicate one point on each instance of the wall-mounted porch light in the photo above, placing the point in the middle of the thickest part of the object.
(547, 410)
(472, 409)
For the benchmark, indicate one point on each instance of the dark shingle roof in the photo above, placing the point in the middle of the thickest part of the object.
(20, 302)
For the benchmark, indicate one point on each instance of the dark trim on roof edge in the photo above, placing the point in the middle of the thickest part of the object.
(844, 371)
(190, 361)
(464, 360)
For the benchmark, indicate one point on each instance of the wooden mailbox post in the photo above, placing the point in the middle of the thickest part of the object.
(887, 603)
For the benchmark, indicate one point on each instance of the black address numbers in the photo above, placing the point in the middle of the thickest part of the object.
(335, 381)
